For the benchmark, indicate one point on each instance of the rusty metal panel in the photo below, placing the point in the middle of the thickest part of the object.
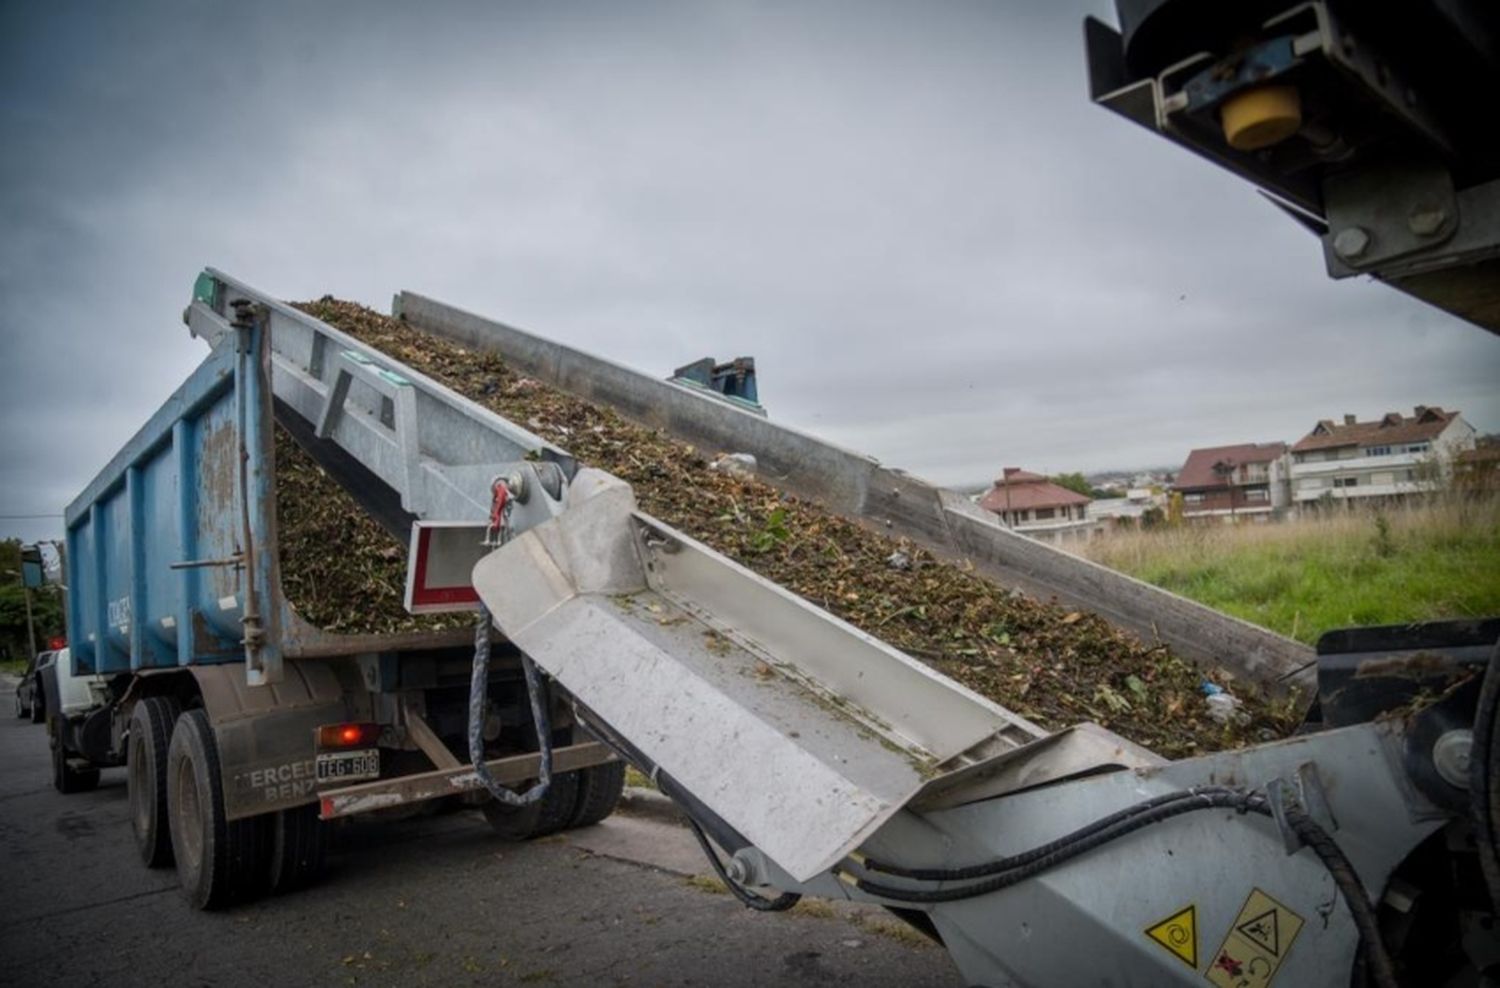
(266, 735)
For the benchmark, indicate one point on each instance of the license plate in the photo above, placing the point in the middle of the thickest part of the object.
(348, 766)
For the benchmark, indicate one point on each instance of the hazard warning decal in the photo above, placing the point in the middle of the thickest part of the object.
(1257, 942)
(1179, 934)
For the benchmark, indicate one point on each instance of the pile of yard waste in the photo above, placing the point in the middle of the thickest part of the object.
(1049, 663)
(340, 569)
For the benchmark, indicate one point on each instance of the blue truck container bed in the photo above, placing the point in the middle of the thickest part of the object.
(180, 624)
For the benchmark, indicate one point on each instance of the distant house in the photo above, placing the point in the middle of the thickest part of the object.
(1229, 482)
(1478, 469)
(1132, 507)
(1392, 456)
(1032, 504)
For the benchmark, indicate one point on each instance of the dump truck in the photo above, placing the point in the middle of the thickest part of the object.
(809, 757)
(208, 680)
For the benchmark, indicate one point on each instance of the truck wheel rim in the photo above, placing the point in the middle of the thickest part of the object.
(190, 814)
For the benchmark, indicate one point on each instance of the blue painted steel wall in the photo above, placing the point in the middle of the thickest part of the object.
(171, 496)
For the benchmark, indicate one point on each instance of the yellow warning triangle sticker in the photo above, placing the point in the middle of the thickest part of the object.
(1179, 934)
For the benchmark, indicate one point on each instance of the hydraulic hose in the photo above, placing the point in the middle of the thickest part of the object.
(999, 875)
(1196, 798)
(1321, 843)
(1005, 872)
(759, 903)
(1484, 778)
(479, 694)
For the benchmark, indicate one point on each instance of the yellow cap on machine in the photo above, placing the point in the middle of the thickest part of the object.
(1261, 117)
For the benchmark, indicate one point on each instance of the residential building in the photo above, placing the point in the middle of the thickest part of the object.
(1033, 505)
(1478, 469)
(1247, 481)
(1131, 508)
(1392, 456)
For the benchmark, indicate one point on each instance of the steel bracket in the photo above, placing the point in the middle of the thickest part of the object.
(1306, 790)
(1381, 214)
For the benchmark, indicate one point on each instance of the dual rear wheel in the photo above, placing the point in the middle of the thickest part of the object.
(177, 811)
(176, 791)
(69, 773)
(574, 799)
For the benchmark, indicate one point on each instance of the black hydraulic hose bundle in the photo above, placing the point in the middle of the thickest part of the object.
(992, 876)
(1484, 778)
(1004, 872)
(1070, 845)
(479, 694)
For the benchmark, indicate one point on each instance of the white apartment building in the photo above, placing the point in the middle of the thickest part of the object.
(1393, 456)
(1136, 502)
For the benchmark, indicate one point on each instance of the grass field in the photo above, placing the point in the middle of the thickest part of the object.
(1304, 577)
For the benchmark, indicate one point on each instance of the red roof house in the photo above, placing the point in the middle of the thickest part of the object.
(1248, 478)
(1030, 502)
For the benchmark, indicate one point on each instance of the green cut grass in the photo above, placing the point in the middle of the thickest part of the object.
(1438, 559)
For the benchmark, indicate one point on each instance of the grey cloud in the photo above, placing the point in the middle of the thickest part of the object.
(937, 250)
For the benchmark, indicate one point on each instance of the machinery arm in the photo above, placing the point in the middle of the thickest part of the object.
(1371, 124)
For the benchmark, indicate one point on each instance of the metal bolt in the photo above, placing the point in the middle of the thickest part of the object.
(1451, 757)
(244, 314)
(519, 489)
(744, 868)
(738, 873)
(1426, 219)
(1351, 242)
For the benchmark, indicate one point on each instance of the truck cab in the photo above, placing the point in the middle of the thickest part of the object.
(72, 702)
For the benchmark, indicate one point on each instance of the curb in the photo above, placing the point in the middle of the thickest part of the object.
(642, 802)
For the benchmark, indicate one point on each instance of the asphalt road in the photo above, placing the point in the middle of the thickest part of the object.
(436, 900)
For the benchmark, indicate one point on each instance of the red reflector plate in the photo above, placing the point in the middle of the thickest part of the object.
(348, 766)
(438, 567)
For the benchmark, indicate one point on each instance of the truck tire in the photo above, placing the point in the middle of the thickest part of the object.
(65, 778)
(299, 848)
(151, 724)
(219, 861)
(599, 789)
(548, 815)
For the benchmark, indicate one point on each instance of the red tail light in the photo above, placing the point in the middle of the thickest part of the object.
(348, 735)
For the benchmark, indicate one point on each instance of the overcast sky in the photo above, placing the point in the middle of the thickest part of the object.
(937, 249)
